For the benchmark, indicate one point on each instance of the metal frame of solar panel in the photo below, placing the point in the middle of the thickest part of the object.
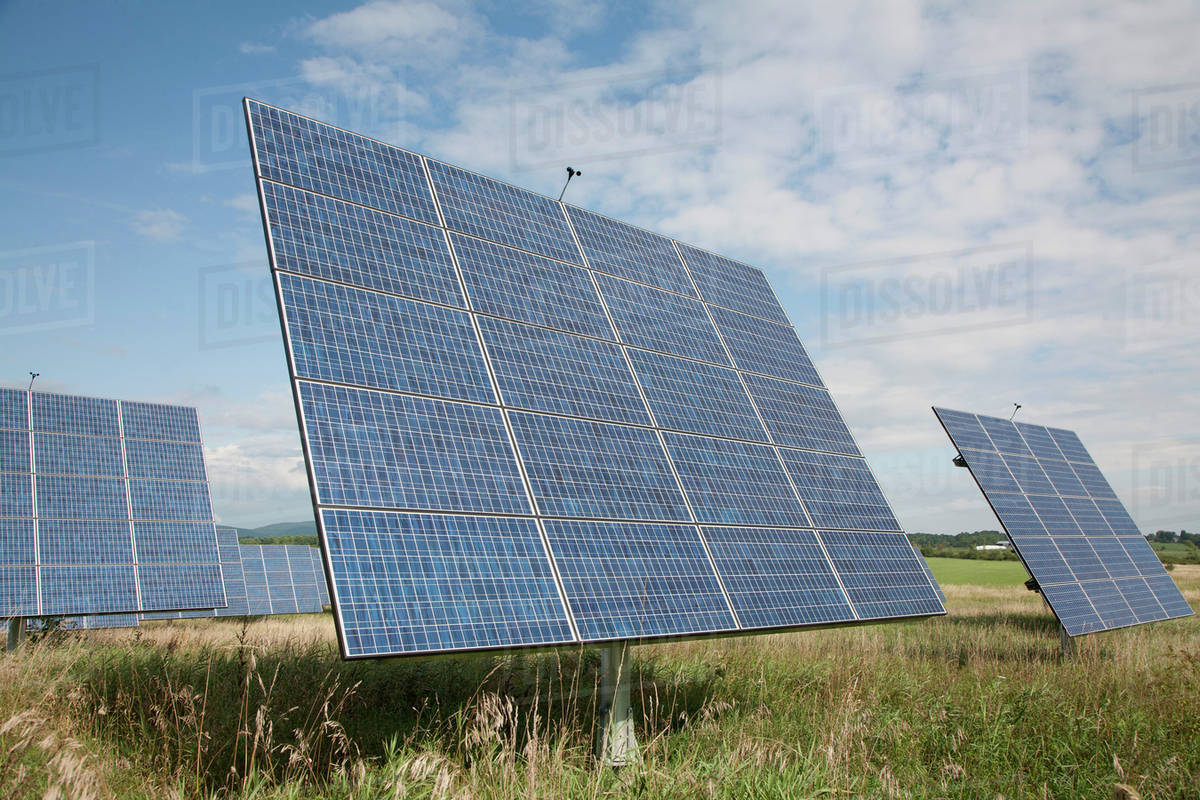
(231, 578)
(1089, 560)
(104, 507)
(527, 425)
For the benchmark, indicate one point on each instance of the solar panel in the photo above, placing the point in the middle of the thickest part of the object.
(607, 439)
(89, 622)
(104, 508)
(231, 577)
(280, 579)
(1086, 554)
(258, 602)
(319, 571)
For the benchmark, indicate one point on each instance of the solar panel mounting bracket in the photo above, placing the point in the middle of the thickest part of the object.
(959, 461)
(1032, 585)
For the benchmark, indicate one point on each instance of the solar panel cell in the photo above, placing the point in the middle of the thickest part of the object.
(364, 338)
(86, 416)
(16, 543)
(65, 589)
(81, 497)
(318, 157)
(68, 454)
(638, 312)
(325, 238)
(16, 495)
(423, 582)
(158, 421)
(628, 252)
(84, 542)
(729, 283)
(579, 468)
(734, 483)
(768, 348)
(520, 286)
(173, 461)
(14, 408)
(777, 577)
(800, 416)
(694, 397)
(374, 449)
(502, 213)
(14, 451)
(544, 370)
(18, 591)
(636, 580)
(880, 574)
(838, 491)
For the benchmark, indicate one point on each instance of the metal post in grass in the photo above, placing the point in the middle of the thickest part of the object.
(16, 633)
(1068, 644)
(616, 744)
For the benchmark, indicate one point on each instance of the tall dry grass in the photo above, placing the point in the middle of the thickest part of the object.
(977, 704)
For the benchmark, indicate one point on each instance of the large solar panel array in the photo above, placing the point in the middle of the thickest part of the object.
(281, 579)
(231, 577)
(527, 424)
(1090, 561)
(104, 507)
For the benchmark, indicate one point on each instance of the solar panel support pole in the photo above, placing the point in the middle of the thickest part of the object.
(616, 744)
(16, 634)
(1068, 644)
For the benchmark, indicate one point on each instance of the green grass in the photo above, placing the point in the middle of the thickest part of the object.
(966, 571)
(976, 704)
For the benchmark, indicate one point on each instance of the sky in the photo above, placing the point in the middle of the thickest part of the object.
(963, 205)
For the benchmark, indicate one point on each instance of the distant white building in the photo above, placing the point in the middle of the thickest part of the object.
(996, 546)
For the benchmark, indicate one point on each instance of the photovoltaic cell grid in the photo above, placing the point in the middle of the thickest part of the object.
(231, 577)
(602, 434)
(104, 508)
(1091, 562)
(281, 579)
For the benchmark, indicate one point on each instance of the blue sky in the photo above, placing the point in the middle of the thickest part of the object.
(960, 205)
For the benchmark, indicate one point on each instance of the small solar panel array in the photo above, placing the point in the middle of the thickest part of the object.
(528, 424)
(282, 579)
(104, 508)
(1090, 561)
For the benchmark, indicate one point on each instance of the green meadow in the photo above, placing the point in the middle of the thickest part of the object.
(976, 704)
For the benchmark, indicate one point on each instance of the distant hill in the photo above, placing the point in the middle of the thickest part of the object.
(304, 532)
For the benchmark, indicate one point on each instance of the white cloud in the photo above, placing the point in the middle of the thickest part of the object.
(160, 224)
(772, 188)
(255, 48)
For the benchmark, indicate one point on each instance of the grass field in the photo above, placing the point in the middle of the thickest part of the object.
(966, 571)
(977, 704)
